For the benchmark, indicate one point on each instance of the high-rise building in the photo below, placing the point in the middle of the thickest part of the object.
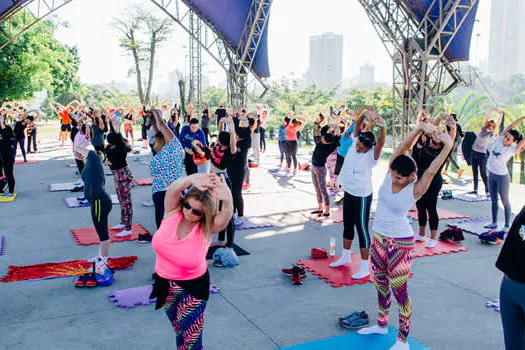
(326, 61)
(507, 37)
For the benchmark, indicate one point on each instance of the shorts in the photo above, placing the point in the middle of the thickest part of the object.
(339, 164)
(65, 127)
(128, 128)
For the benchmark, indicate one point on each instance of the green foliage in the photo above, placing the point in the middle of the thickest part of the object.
(34, 61)
(214, 96)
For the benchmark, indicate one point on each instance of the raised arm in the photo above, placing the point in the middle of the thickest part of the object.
(359, 122)
(161, 126)
(408, 142)
(380, 122)
(172, 202)
(222, 193)
(513, 125)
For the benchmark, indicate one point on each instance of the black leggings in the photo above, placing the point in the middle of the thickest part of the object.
(282, 149)
(479, 164)
(31, 137)
(236, 174)
(291, 154)
(206, 132)
(428, 204)
(158, 201)
(7, 167)
(356, 213)
(190, 166)
(262, 132)
(80, 166)
(100, 209)
(230, 229)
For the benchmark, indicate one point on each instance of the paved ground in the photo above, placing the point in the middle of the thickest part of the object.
(258, 308)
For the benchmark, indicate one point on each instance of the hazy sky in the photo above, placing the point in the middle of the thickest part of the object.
(292, 22)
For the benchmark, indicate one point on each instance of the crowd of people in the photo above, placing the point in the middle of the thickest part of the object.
(200, 166)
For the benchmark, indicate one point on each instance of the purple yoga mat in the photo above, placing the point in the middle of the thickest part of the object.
(250, 223)
(73, 202)
(475, 225)
(2, 245)
(133, 297)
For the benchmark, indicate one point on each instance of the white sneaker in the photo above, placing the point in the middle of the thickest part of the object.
(148, 204)
(420, 238)
(400, 345)
(237, 222)
(373, 330)
(124, 233)
(118, 227)
(360, 275)
(431, 243)
(342, 261)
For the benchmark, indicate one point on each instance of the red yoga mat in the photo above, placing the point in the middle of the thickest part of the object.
(62, 269)
(29, 161)
(336, 215)
(88, 236)
(144, 182)
(443, 214)
(421, 250)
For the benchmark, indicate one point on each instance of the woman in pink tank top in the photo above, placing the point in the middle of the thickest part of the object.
(181, 243)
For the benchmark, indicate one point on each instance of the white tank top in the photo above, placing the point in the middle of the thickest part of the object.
(392, 208)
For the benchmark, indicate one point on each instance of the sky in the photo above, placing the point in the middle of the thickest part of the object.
(292, 22)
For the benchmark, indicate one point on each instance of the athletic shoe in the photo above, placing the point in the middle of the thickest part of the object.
(118, 227)
(91, 281)
(144, 238)
(491, 226)
(8, 195)
(237, 222)
(81, 282)
(83, 202)
(354, 315)
(78, 189)
(420, 238)
(148, 204)
(354, 323)
(296, 277)
(289, 272)
(124, 233)
(473, 192)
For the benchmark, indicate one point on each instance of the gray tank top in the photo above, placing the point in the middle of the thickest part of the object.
(482, 141)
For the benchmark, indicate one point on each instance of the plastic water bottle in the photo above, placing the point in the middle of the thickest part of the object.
(332, 246)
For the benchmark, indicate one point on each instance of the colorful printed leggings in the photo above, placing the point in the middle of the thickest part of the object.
(391, 261)
(331, 161)
(123, 183)
(186, 314)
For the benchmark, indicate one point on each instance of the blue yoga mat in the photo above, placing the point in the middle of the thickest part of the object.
(356, 341)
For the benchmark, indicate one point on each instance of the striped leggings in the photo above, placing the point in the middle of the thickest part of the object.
(123, 183)
(391, 262)
(356, 214)
(186, 314)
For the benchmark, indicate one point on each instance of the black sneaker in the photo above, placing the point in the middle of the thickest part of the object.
(144, 238)
(78, 189)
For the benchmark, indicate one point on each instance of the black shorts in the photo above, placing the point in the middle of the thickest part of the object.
(339, 164)
(65, 127)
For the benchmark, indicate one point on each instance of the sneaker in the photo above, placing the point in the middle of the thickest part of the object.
(81, 282)
(420, 238)
(289, 272)
(91, 281)
(491, 226)
(83, 202)
(237, 222)
(124, 233)
(118, 227)
(355, 323)
(353, 315)
(78, 189)
(431, 243)
(296, 277)
(245, 186)
(473, 192)
(148, 204)
(79, 183)
(144, 238)
(81, 199)
(9, 195)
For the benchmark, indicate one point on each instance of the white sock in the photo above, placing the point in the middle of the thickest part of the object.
(363, 270)
(431, 243)
(373, 330)
(400, 345)
(420, 238)
(345, 259)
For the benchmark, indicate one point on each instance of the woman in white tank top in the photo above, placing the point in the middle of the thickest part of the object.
(393, 235)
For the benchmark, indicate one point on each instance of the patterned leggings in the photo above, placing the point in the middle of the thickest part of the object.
(186, 314)
(331, 161)
(123, 183)
(391, 262)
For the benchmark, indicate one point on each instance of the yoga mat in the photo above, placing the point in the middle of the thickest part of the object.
(355, 341)
(465, 197)
(238, 250)
(144, 182)
(443, 214)
(2, 245)
(8, 200)
(62, 269)
(61, 187)
(336, 215)
(266, 191)
(420, 249)
(250, 223)
(133, 297)
(73, 202)
(29, 161)
(475, 225)
(88, 236)
(337, 276)
(493, 304)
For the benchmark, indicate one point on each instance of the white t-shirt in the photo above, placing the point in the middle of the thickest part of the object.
(356, 174)
(390, 219)
(81, 141)
(499, 156)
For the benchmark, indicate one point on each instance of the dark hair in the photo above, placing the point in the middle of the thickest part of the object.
(295, 122)
(251, 121)
(159, 135)
(453, 115)
(404, 165)
(321, 116)
(517, 135)
(491, 122)
(194, 121)
(368, 139)
(114, 139)
(287, 120)
(84, 129)
(328, 137)
(224, 138)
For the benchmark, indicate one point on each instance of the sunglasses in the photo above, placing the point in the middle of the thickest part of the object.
(194, 211)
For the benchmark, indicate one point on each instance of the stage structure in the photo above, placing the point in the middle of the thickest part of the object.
(233, 32)
(426, 40)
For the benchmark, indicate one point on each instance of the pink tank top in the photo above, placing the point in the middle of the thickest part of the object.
(179, 260)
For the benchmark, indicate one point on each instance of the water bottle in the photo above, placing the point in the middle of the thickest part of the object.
(332, 246)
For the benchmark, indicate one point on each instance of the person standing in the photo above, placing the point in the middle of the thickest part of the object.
(188, 134)
(31, 132)
(205, 122)
(262, 129)
(6, 155)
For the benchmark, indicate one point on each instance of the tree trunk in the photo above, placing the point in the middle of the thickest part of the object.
(137, 69)
(152, 48)
(182, 90)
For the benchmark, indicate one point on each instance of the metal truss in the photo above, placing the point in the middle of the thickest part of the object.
(203, 36)
(421, 72)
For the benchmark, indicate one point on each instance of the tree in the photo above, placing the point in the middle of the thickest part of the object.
(135, 24)
(214, 96)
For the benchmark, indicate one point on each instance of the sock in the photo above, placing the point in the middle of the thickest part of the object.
(345, 259)
(363, 270)
(400, 345)
(373, 330)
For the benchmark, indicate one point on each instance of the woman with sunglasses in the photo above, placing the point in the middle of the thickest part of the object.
(221, 158)
(166, 166)
(394, 238)
(424, 153)
(510, 143)
(182, 281)
(356, 180)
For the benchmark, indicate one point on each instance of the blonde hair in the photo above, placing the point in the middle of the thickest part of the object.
(209, 209)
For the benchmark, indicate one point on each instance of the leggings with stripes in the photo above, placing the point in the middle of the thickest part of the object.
(356, 213)
(100, 209)
(186, 314)
(391, 261)
(123, 183)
